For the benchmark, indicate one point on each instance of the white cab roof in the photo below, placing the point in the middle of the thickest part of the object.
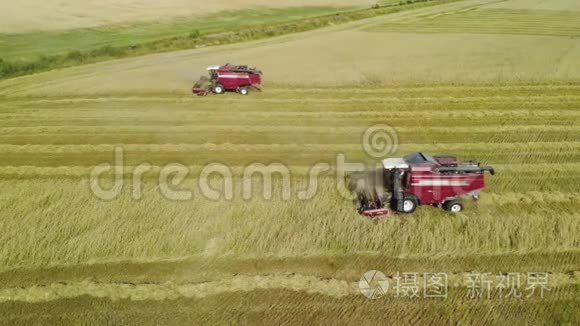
(392, 163)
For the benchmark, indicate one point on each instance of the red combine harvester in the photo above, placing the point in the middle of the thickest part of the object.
(418, 179)
(228, 78)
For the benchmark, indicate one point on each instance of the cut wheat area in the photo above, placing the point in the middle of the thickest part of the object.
(51, 218)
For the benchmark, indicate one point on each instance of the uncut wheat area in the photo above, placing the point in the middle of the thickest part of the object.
(49, 146)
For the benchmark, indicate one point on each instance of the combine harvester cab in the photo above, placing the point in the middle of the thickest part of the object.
(421, 179)
(228, 78)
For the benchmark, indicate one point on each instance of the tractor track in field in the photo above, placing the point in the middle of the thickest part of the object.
(31, 116)
(279, 128)
(330, 287)
(493, 99)
(509, 174)
(56, 291)
(492, 21)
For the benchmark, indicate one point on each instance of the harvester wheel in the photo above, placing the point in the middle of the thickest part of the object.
(218, 89)
(410, 203)
(243, 90)
(453, 206)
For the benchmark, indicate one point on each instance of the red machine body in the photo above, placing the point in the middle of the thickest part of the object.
(233, 77)
(422, 179)
(431, 186)
(229, 77)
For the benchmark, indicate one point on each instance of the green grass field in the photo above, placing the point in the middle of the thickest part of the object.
(30, 46)
(26, 53)
(67, 257)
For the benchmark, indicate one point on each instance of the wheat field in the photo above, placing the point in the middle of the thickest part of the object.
(559, 5)
(34, 15)
(504, 92)
(494, 21)
(49, 147)
(56, 230)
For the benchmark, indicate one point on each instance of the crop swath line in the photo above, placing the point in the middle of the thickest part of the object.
(265, 128)
(556, 147)
(493, 21)
(332, 287)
